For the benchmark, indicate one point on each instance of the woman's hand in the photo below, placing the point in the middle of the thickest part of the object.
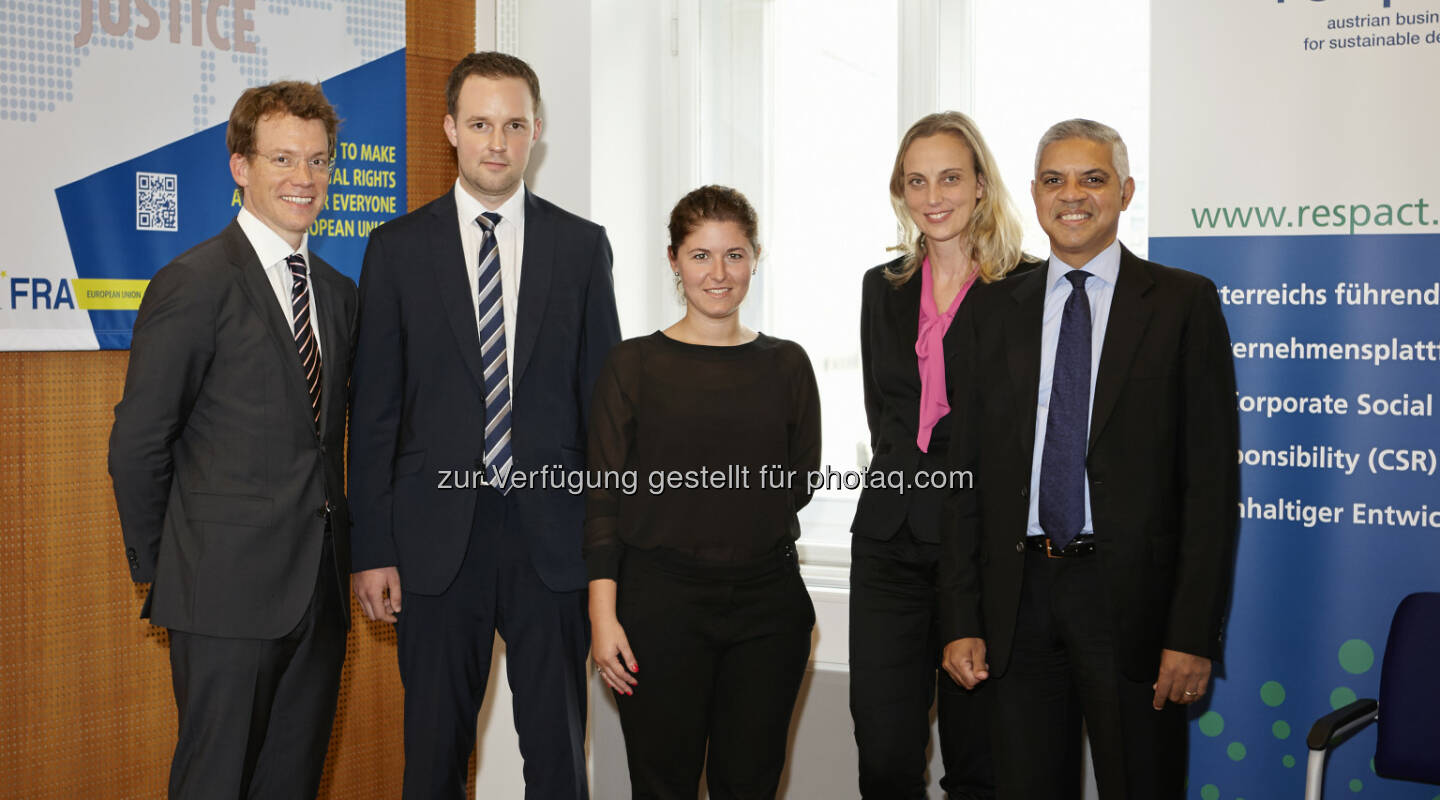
(609, 648)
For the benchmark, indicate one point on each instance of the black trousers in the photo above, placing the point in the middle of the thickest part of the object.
(445, 644)
(894, 677)
(722, 650)
(255, 714)
(1063, 669)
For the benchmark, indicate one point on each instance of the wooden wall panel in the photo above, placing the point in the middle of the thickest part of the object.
(85, 703)
(86, 708)
(438, 33)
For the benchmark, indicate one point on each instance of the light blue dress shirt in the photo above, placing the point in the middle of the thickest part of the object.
(1100, 289)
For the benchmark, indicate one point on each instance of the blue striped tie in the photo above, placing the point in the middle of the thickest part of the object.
(1062, 462)
(304, 333)
(498, 458)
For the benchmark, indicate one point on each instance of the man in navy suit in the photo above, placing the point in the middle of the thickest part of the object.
(1088, 574)
(485, 317)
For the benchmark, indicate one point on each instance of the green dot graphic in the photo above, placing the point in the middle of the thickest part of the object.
(1356, 785)
(1272, 693)
(1281, 729)
(1236, 751)
(1210, 792)
(1289, 761)
(1372, 765)
(1356, 657)
(1342, 697)
(1211, 723)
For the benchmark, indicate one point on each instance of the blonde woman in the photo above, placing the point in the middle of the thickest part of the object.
(957, 227)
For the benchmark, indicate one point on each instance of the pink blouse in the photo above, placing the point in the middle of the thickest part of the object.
(930, 352)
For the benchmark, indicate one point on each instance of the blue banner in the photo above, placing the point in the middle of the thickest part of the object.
(1337, 359)
(183, 193)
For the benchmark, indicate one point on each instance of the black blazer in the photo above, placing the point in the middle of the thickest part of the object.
(221, 482)
(889, 321)
(1164, 482)
(418, 407)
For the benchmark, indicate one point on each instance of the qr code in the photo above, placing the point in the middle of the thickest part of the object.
(157, 202)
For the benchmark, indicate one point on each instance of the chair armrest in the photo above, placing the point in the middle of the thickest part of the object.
(1341, 722)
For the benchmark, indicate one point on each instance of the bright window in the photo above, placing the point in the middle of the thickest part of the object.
(800, 104)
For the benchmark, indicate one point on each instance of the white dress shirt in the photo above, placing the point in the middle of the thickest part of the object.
(509, 245)
(1100, 289)
(272, 252)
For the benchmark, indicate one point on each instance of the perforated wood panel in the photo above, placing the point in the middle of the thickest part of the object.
(86, 695)
(438, 33)
(431, 169)
(86, 709)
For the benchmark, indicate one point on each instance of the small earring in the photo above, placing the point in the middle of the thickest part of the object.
(676, 274)
(755, 270)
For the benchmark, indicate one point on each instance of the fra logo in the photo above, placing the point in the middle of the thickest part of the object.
(36, 294)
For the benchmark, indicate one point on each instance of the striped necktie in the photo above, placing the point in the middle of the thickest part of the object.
(304, 333)
(498, 458)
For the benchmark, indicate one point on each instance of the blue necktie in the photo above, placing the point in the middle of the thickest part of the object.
(1062, 464)
(497, 457)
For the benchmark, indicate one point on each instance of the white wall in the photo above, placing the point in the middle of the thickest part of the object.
(623, 148)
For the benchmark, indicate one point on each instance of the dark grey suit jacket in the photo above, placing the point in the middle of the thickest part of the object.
(1164, 482)
(221, 482)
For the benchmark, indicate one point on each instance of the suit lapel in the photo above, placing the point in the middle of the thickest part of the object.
(332, 323)
(1022, 329)
(261, 295)
(452, 280)
(535, 277)
(1130, 310)
(952, 340)
(905, 306)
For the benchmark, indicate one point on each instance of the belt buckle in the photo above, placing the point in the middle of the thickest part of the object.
(1049, 553)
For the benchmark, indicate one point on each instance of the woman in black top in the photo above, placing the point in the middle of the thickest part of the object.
(958, 227)
(693, 573)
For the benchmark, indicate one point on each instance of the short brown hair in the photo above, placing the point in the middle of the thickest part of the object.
(296, 98)
(490, 64)
(712, 204)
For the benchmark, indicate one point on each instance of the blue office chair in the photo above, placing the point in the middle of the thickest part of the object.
(1407, 716)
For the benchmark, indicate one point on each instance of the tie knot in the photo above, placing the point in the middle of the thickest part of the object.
(488, 220)
(296, 263)
(1077, 279)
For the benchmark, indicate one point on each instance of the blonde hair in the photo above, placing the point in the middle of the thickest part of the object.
(994, 228)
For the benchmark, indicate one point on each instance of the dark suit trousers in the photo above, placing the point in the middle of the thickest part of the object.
(445, 646)
(894, 665)
(255, 714)
(722, 650)
(1063, 668)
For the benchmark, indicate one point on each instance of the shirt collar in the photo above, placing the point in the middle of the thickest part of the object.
(1105, 266)
(469, 208)
(268, 246)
